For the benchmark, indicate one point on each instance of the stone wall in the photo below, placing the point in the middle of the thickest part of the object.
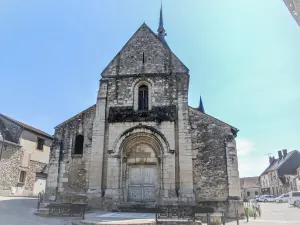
(215, 163)
(144, 53)
(68, 173)
(9, 167)
(34, 167)
(120, 90)
(210, 166)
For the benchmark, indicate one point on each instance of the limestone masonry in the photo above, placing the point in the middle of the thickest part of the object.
(141, 143)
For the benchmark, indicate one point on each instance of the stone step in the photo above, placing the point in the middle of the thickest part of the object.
(124, 222)
(42, 212)
(138, 222)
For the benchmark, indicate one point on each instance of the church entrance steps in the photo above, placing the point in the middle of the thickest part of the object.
(130, 218)
(139, 222)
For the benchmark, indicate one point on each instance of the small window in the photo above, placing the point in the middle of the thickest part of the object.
(143, 97)
(78, 145)
(256, 193)
(22, 177)
(40, 144)
(248, 193)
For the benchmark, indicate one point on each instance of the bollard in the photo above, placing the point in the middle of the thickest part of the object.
(223, 217)
(208, 218)
(237, 217)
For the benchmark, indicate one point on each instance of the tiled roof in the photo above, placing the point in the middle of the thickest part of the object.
(247, 182)
(27, 127)
(278, 163)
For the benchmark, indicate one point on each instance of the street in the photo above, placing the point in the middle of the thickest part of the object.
(277, 213)
(16, 211)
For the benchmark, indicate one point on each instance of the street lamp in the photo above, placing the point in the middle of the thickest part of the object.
(3, 139)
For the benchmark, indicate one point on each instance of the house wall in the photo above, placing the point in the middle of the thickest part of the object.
(9, 167)
(253, 191)
(298, 179)
(28, 141)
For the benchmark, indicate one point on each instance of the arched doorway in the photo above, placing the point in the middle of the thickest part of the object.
(141, 178)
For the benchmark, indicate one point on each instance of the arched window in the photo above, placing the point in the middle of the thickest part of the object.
(143, 97)
(78, 150)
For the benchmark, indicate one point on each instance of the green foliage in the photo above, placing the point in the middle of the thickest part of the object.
(250, 211)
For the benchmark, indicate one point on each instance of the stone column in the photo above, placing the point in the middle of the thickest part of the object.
(234, 198)
(168, 174)
(232, 169)
(52, 179)
(184, 142)
(97, 151)
(112, 190)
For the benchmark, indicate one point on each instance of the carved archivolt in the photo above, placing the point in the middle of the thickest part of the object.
(139, 135)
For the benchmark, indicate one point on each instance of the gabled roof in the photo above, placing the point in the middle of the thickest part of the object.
(78, 114)
(144, 53)
(278, 163)
(11, 128)
(233, 129)
(294, 8)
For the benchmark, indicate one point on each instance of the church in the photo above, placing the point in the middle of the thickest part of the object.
(141, 143)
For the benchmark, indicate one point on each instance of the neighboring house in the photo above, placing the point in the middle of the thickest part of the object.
(250, 187)
(141, 143)
(24, 156)
(278, 177)
(297, 179)
(294, 8)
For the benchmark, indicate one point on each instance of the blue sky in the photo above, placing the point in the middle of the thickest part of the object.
(243, 58)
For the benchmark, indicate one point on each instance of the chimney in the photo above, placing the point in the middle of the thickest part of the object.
(271, 159)
(284, 153)
(279, 155)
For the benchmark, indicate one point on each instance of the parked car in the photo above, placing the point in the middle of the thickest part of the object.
(293, 197)
(297, 204)
(282, 198)
(266, 198)
(255, 199)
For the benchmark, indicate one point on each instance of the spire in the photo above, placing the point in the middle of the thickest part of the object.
(201, 107)
(161, 30)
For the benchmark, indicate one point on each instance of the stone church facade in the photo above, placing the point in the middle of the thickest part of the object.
(141, 143)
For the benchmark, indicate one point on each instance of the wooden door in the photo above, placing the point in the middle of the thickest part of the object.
(142, 183)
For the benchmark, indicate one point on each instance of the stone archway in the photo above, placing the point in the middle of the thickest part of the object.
(141, 176)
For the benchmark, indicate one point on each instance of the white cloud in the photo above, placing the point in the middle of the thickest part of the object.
(244, 147)
(250, 163)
